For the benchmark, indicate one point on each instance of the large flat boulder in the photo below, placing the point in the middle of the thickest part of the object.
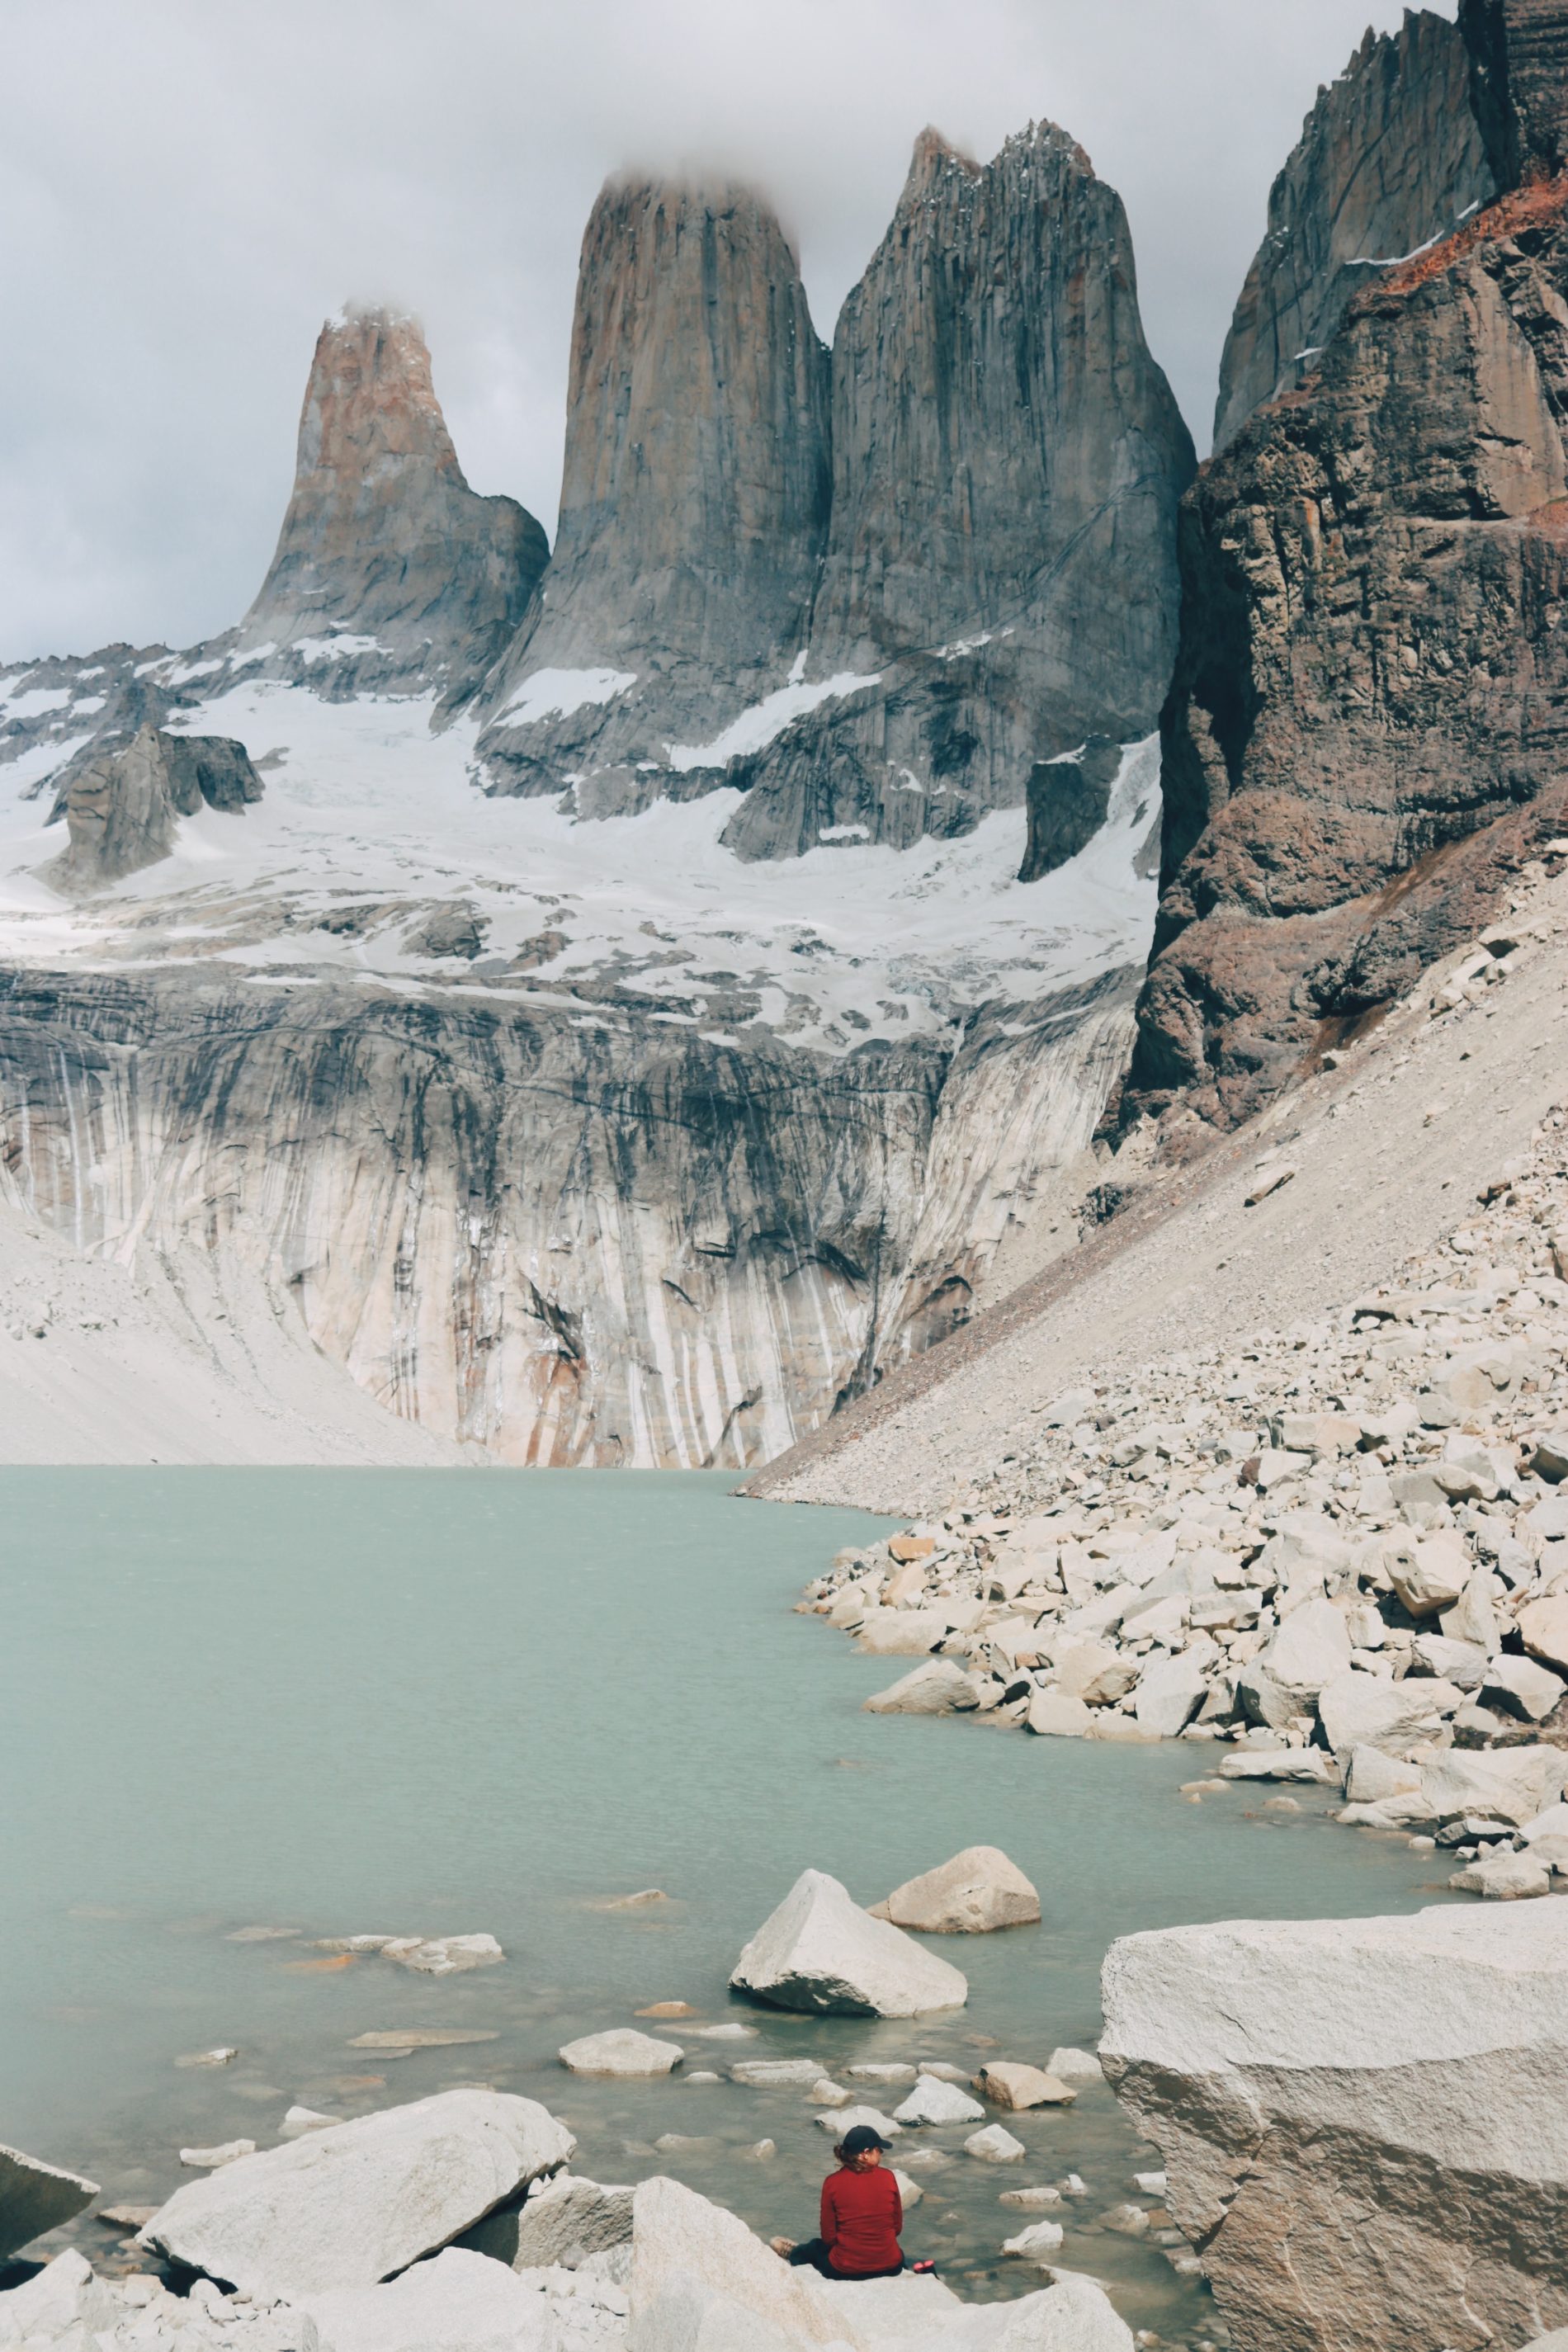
(36, 2197)
(820, 1952)
(350, 2206)
(1365, 2121)
(977, 1891)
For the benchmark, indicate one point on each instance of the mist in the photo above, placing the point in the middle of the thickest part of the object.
(188, 190)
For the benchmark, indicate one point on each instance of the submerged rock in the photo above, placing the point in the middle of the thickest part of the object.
(1320, 2090)
(820, 1952)
(349, 2205)
(977, 1891)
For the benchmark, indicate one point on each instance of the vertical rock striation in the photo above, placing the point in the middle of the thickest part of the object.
(1390, 159)
(1368, 728)
(1518, 51)
(384, 549)
(1008, 461)
(694, 504)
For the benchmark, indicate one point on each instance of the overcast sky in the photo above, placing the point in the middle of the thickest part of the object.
(187, 188)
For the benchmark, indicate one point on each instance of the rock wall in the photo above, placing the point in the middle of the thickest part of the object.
(383, 547)
(694, 504)
(1000, 574)
(121, 807)
(1361, 2120)
(1518, 50)
(568, 1242)
(1365, 737)
(1390, 158)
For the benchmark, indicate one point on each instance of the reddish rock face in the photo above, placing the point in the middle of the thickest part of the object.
(1364, 739)
(1390, 158)
(383, 539)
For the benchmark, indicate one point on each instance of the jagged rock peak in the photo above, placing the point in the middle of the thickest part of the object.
(384, 543)
(1000, 579)
(694, 496)
(1390, 158)
(1519, 84)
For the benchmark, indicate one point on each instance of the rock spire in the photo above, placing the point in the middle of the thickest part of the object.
(1000, 578)
(693, 505)
(383, 546)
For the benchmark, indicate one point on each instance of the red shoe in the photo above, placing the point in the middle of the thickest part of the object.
(921, 2269)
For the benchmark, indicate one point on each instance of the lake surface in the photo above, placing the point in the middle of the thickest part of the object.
(435, 1702)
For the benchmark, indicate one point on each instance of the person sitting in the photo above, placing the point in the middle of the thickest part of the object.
(861, 2219)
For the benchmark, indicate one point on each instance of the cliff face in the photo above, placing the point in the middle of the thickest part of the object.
(389, 570)
(693, 503)
(1519, 52)
(565, 1243)
(1000, 572)
(1364, 736)
(1390, 159)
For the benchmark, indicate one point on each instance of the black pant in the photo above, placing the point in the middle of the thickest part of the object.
(814, 2252)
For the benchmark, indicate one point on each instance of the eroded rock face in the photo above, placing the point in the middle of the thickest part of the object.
(121, 804)
(1360, 748)
(1362, 2121)
(1390, 158)
(625, 1243)
(694, 504)
(1519, 83)
(999, 580)
(389, 570)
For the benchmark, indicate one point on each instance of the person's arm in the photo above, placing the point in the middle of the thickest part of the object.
(828, 2216)
(898, 2210)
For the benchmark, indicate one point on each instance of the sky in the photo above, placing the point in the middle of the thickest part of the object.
(188, 187)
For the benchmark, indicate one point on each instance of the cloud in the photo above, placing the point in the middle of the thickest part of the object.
(189, 186)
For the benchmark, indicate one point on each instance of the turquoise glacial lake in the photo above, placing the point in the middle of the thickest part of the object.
(432, 1702)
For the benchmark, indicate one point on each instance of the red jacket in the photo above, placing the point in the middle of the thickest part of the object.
(862, 2214)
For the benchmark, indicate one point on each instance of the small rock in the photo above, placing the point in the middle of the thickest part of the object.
(1018, 2087)
(443, 1955)
(673, 2009)
(932, 2102)
(1504, 1878)
(300, 2120)
(1031, 2199)
(1038, 2243)
(778, 2074)
(995, 2145)
(621, 2051)
(1070, 2065)
(1126, 2221)
(208, 2159)
(846, 2118)
(220, 2057)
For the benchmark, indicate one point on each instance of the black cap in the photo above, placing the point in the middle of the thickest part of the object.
(856, 2141)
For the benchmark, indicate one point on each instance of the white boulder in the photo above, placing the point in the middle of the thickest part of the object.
(939, 1687)
(994, 2144)
(821, 1953)
(567, 2218)
(1040, 2242)
(36, 2197)
(64, 2297)
(622, 2050)
(977, 1891)
(902, 1632)
(1018, 2087)
(1507, 1784)
(1169, 1693)
(1311, 1647)
(1055, 1715)
(459, 2303)
(932, 2102)
(349, 2205)
(1319, 2088)
(1361, 1710)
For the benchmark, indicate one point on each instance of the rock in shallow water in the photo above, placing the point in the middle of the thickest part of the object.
(977, 1891)
(820, 1952)
(622, 2050)
(1318, 2088)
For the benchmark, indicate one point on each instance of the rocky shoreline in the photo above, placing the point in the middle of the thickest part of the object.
(1340, 1550)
